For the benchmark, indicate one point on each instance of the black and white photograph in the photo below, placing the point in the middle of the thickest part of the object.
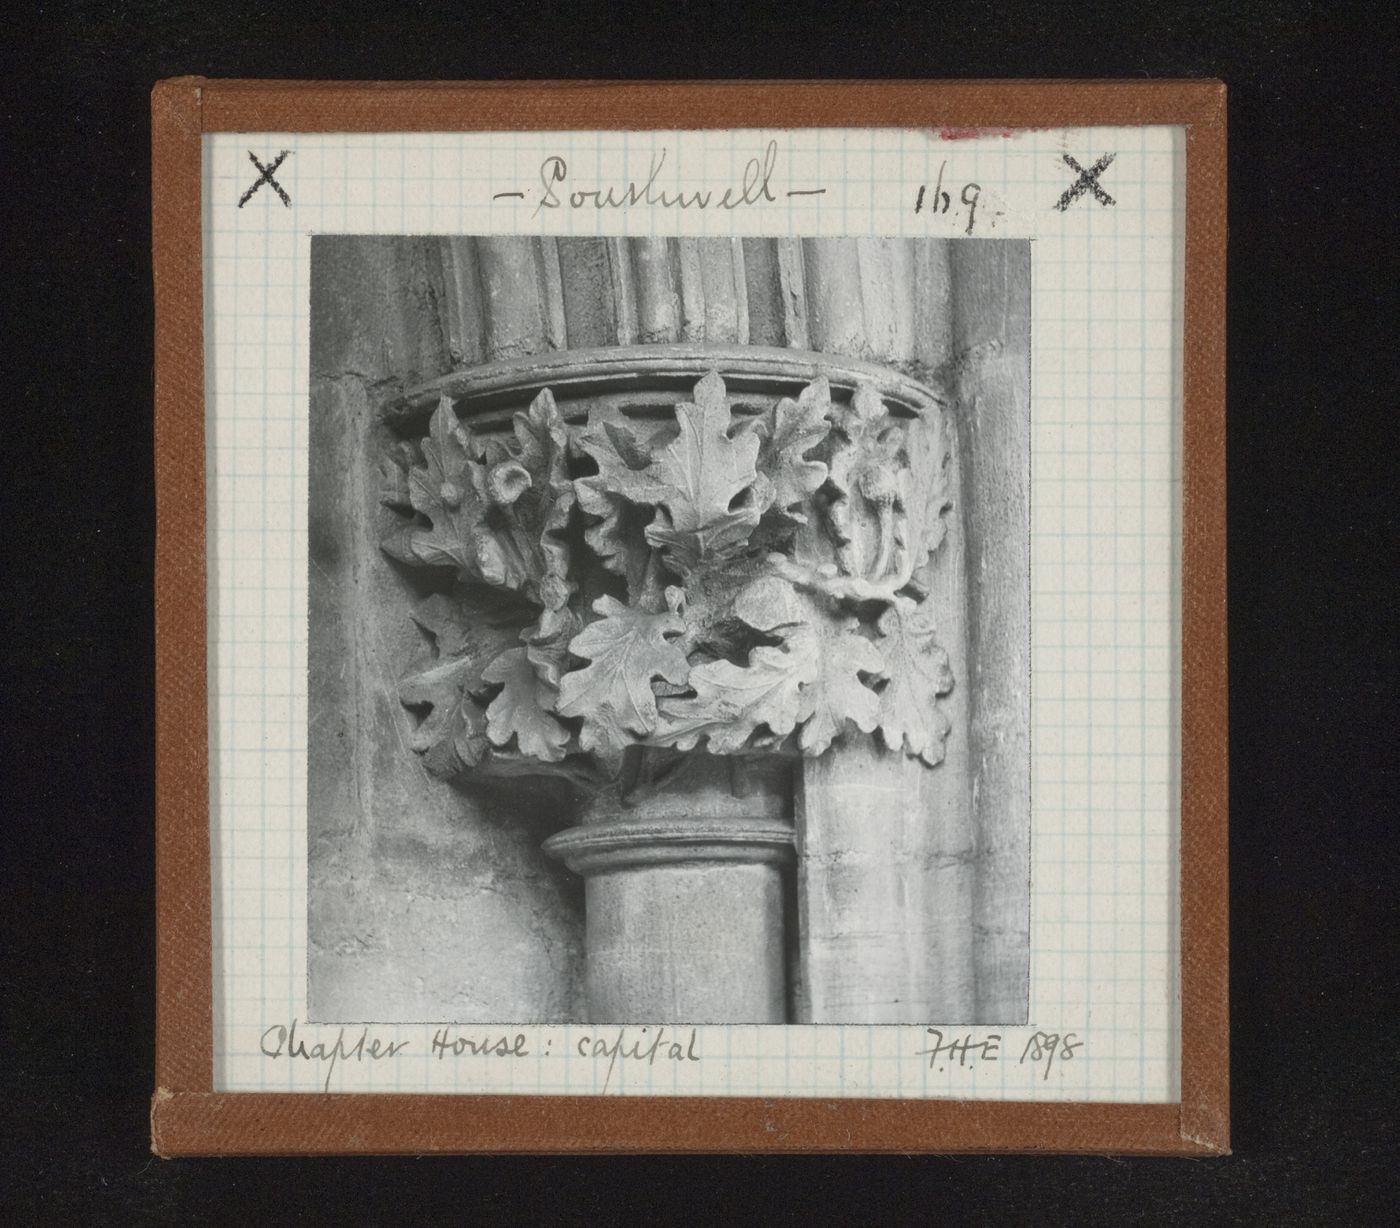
(529, 685)
(669, 630)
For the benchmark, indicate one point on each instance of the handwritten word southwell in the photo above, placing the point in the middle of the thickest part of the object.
(559, 189)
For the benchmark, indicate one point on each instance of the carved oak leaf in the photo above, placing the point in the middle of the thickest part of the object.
(625, 462)
(930, 463)
(520, 504)
(527, 528)
(798, 427)
(622, 485)
(394, 468)
(701, 472)
(613, 695)
(442, 490)
(524, 708)
(867, 515)
(814, 680)
(547, 643)
(443, 684)
(833, 692)
(918, 671)
(733, 702)
(493, 514)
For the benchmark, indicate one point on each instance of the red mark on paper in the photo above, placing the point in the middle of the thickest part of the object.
(972, 134)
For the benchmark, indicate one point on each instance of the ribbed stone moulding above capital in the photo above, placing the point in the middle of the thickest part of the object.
(508, 297)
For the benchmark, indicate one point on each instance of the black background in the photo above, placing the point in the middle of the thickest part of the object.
(1312, 389)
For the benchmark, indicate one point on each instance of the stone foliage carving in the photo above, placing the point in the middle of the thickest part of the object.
(741, 582)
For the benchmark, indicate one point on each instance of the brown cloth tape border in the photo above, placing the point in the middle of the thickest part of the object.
(187, 1117)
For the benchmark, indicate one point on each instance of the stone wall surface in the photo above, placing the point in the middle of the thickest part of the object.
(427, 902)
(424, 904)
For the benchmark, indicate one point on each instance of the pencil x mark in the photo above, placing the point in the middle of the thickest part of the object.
(265, 177)
(1088, 181)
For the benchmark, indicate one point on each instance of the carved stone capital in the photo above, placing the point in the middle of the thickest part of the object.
(668, 559)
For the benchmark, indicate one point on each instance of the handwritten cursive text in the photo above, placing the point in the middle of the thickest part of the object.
(638, 1048)
(755, 185)
(282, 1041)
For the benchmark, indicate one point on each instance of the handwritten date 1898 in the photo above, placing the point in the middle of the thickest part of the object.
(969, 1049)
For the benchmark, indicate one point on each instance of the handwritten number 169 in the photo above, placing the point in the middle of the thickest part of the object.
(940, 200)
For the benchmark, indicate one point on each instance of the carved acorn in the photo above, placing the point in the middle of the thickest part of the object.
(506, 482)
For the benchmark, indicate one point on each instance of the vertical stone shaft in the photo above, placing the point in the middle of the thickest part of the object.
(884, 842)
(946, 791)
(864, 888)
(992, 334)
(658, 304)
(523, 313)
(685, 899)
(696, 942)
